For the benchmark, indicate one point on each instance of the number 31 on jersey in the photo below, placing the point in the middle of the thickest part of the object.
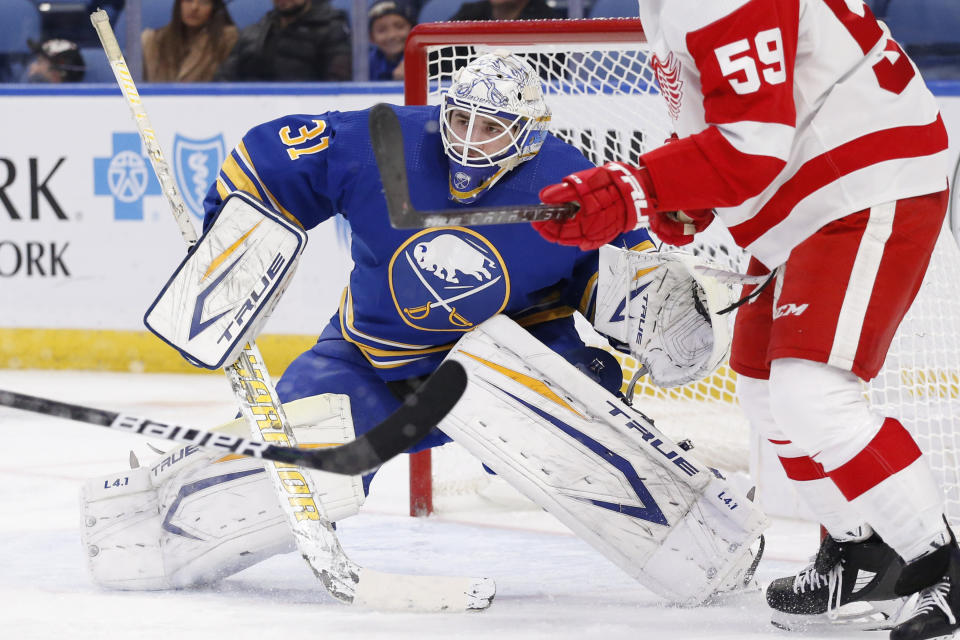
(305, 134)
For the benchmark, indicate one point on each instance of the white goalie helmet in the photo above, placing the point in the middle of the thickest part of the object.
(492, 119)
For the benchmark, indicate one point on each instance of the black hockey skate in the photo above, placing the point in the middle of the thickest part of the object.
(849, 583)
(937, 609)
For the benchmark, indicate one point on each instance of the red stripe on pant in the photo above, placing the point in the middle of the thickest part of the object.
(891, 450)
(803, 468)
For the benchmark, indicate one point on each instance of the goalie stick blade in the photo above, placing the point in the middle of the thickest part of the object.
(394, 592)
(386, 138)
(401, 430)
(387, 142)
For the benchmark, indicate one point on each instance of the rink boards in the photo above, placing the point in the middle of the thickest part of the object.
(86, 239)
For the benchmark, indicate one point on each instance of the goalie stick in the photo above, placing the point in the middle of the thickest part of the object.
(387, 141)
(406, 426)
(250, 380)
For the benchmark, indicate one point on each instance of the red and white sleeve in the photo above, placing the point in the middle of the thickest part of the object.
(745, 62)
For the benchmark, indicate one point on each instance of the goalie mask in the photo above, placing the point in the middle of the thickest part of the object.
(493, 118)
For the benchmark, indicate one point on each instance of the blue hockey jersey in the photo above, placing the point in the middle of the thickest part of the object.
(412, 293)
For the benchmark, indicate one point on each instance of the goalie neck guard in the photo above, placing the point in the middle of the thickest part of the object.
(493, 118)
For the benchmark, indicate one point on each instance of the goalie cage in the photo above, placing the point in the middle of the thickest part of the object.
(603, 93)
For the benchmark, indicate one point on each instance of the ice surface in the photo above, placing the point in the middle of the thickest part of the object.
(550, 584)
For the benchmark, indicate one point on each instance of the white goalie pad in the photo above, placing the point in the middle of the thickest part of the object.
(666, 312)
(194, 517)
(225, 289)
(600, 467)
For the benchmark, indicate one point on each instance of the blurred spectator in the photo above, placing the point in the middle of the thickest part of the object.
(190, 48)
(55, 60)
(299, 40)
(546, 65)
(414, 7)
(71, 20)
(390, 23)
(506, 10)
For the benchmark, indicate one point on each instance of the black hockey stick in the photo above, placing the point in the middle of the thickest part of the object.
(387, 140)
(402, 429)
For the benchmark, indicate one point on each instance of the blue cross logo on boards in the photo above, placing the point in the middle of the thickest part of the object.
(127, 176)
(195, 164)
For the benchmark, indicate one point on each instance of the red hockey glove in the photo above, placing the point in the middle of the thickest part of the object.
(677, 227)
(611, 199)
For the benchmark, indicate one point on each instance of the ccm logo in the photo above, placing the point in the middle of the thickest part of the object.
(789, 309)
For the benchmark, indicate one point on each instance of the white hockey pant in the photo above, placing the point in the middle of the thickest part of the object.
(820, 412)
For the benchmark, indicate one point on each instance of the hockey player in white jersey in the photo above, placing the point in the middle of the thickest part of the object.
(812, 134)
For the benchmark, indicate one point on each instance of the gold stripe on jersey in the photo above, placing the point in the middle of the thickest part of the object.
(371, 357)
(377, 356)
(239, 174)
(240, 181)
(248, 162)
(386, 358)
(346, 304)
(263, 195)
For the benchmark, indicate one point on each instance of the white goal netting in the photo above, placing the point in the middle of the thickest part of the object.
(605, 101)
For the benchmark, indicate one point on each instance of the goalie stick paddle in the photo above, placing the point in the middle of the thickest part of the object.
(402, 429)
(387, 141)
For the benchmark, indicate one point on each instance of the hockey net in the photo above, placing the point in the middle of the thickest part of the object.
(603, 93)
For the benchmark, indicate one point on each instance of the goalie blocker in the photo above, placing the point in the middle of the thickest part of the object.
(225, 289)
(600, 467)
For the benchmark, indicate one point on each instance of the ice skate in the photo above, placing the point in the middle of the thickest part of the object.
(848, 584)
(937, 609)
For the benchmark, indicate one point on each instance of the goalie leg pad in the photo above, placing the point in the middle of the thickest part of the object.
(196, 517)
(207, 521)
(600, 467)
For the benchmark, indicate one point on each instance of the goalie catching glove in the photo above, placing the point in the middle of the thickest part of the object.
(612, 198)
(664, 311)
